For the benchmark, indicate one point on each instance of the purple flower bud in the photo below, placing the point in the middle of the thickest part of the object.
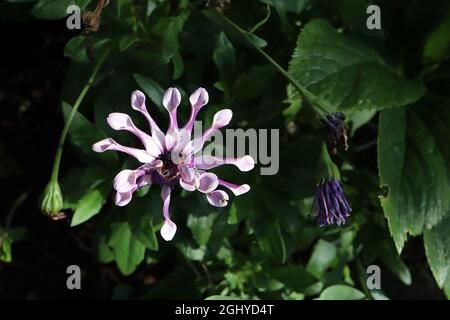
(330, 205)
(335, 131)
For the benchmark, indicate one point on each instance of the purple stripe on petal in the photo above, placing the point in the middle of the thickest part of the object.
(245, 163)
(171, 101)
(217, 198)
(109, 144)
(207, 182)
(138, 103)
(123, 198)
(122, 121)
(198, 99)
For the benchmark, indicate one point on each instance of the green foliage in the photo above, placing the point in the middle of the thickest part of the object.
(352, 76)
(265, 245)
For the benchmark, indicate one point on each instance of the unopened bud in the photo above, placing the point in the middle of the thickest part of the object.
(52, 199)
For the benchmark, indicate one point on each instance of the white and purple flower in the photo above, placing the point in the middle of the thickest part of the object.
(171, 158)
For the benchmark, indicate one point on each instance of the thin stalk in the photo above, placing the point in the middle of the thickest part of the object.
(319, 105)
(14, 208)
(62, 139)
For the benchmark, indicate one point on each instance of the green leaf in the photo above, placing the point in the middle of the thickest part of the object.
(224, 57)
(341, 292)
(55, 9)
(104, 251)
(437, 248)
(76, 48)
(178, 66)
(170, 43)
(437, 45)
(128, 251)
(126, 42)
(79, 181)
(201, 227)
(263, 282)
(413, 164)
(322, 257)
(447, 287)
(271, 239)
(141, 215)
(191, 253)
(90, 204)
(151, 89)
(293, 277)
(392, 260)
(295, 6)
(83, 134)
(5, 248)
(347, 73)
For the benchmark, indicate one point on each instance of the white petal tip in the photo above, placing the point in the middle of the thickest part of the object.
(246, 163)
(223, 117)
(137, 100)
(102, 145)
(168, 230)
(241, 190)
(171, 99)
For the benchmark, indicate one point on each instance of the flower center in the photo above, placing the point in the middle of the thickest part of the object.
(169, 169)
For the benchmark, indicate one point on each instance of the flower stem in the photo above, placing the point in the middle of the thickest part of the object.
(62, 139)
(319, 105)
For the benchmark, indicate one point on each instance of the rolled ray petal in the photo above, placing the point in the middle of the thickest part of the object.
(207, 182)
(187, 174)
(218, 198)
(221, 119)
(144, 180)
(235, 188)
(197, 99)
(245, 163)
(168, 230)
(125, 180)
(189, 186)
(122, 121)
(138, 103)
(171, 101)
(109, 144)
(123, 198)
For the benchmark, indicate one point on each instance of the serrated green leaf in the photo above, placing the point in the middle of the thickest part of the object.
(392, 260)
(347, 73)
(341, 292)
(413, 164)
(437, 248)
